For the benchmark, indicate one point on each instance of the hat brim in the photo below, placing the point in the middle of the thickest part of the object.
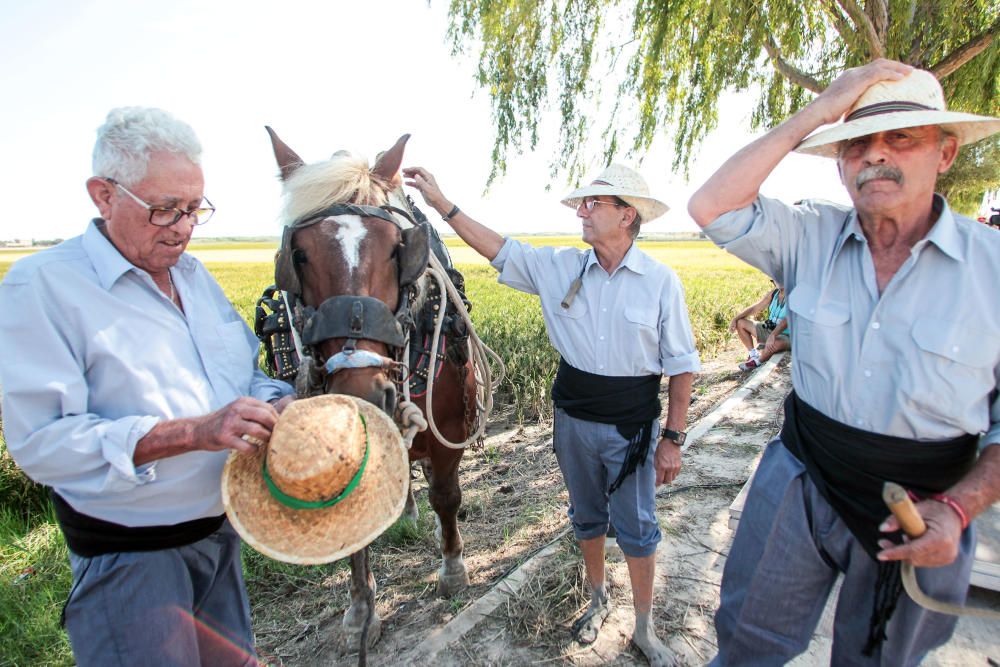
(311, 537)
(649, 208)
(968, 127)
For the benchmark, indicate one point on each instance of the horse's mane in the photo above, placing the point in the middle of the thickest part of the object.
(340, 180)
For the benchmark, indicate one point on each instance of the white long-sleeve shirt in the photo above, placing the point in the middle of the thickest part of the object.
(94, 355)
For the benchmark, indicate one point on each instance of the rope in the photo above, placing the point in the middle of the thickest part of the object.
(479, 354)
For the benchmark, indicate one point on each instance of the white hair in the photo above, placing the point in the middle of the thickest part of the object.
(130, 134)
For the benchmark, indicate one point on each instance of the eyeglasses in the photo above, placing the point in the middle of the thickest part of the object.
(165, 217)
(589, 203)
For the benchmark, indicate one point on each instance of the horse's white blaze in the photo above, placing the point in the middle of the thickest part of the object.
(350, 233)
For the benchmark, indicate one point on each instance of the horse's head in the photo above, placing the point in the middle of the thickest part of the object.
(349, 252)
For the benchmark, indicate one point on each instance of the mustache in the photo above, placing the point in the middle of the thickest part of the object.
(878, 171)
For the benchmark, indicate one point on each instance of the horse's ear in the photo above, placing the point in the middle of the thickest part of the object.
(390, 161)
(287, 159)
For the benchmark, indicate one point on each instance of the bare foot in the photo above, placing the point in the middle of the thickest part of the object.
(587, 626)
(655, 651)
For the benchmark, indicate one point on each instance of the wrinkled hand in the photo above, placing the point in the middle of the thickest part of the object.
(423, 180)
(845, 90)
(667, 461)
(937, 547)
(225, 428)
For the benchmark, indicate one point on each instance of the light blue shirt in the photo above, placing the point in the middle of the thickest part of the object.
(919, 361)
(630, 323)
(95, 355)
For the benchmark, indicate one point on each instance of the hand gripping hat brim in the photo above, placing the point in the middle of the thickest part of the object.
(313, 536)
(914, 100)
(626, 184)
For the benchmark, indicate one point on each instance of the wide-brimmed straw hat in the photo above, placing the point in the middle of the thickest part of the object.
(626, 184)
(336, 477)
(914, 100)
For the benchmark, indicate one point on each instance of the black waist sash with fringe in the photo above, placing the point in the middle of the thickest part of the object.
(88, 536)
(849, 467)
(630, 403)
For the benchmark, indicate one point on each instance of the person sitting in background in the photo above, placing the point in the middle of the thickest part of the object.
(772, 335)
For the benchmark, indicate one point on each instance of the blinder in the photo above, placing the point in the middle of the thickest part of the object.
(286, 276)
(414, 254)
(357, 317)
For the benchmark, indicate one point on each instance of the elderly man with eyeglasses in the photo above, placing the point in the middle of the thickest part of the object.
(618, 319)
(128, 378)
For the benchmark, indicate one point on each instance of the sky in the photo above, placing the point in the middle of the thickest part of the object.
(326, 75)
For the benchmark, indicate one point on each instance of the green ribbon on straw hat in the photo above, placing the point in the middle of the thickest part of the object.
(298, 503)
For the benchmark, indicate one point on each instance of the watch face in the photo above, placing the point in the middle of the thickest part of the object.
(675, 436)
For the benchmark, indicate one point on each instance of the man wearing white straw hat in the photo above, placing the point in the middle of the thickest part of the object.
(128, 377)
(895, 326)
(618, 319)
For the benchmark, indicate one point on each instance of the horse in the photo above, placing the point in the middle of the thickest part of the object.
(353, 258)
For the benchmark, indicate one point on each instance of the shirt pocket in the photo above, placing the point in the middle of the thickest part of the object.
(815, 316)
(576, 310)
(644, 324)
(236, 366)
(954, 368)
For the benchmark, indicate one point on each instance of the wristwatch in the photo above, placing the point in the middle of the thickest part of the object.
(677, 437)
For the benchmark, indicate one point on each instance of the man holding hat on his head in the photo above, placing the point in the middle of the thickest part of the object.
(619, 321)
(895, 328)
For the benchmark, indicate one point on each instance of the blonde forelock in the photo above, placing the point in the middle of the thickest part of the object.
(342, 179)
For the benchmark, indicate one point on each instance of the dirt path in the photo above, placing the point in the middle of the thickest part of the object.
(515, 514)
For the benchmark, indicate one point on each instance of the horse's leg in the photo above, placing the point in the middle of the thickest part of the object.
(410, 510)
(446, 497)
(362, 602)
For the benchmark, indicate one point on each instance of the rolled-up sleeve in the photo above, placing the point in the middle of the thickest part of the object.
(47, 427)
(521, 265)
(677, 349)
(764, 234)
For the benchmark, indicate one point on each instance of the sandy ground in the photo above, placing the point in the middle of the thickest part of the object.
(502, 621)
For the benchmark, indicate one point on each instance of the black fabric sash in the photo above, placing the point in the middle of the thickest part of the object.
(630, 403)
(849, 467)
(89, 537)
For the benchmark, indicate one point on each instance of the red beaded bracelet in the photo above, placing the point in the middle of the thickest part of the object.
(947, 500)
(954, 504)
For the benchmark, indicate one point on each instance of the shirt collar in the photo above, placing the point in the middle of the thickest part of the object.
(109, 264)
(634, 260)
(943, 233)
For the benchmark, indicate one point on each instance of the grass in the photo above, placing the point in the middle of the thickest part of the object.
(510, 322)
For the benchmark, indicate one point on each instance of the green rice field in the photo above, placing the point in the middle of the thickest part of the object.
(34, 572)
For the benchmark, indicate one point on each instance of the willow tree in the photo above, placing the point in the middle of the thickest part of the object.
(620, 72)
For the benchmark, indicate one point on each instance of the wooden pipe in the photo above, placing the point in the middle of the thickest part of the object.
(903, 509)
(571, 294)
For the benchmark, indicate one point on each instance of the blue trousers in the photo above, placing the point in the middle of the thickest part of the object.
(184, 606)
(789, 548)
(590, 456)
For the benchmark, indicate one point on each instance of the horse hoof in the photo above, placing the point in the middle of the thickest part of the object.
(350, 641)
(450, 584)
